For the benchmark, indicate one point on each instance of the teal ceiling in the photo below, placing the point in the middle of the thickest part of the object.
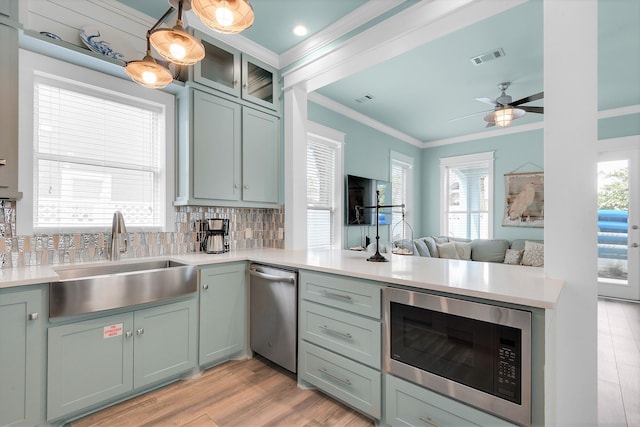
(421, 91)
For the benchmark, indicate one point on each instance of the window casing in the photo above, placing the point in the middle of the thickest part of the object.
(324, 191)
(93, 150)
(401, 193)
(467, 196)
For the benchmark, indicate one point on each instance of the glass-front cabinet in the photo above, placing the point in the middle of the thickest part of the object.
(226, 69)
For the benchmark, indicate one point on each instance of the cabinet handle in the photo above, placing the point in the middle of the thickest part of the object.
(140, 331)
(235, 82)
(335, 295)
(236, 186)
(33, 316)
(246, 186)
(428, 421)
(3, 162)
(335, 377)
(128, 334)
(205, 286)
(346, 335)
(634, 245)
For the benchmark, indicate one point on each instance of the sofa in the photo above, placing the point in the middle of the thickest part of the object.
(517, 252)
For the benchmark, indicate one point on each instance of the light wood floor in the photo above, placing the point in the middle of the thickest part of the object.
(247, 393)
(253, 393)
(618, 363)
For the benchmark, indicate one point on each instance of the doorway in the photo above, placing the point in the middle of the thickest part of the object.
(618, 222)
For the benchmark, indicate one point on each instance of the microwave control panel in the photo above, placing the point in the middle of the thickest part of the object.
(508, 363)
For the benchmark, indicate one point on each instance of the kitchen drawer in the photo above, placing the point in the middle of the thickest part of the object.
(355, 384)
(348, 334)
(407, 404)
(355, 295)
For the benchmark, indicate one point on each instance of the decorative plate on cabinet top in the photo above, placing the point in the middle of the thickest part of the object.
(107, 43)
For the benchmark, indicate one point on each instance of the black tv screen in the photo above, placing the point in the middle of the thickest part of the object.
(362, 192)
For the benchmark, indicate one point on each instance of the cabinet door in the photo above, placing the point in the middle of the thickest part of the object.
(216, 148)
(9, 116)
(223, 312)
(220, 68)
(260, 156)
(165, 341)
(20, 349)
(260, 83)
(89, 362)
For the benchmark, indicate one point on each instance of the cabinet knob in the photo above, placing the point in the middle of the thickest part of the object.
(236, 186)
(3, 162)
(140, 331)
(128, 334)
(246, 186)
(205, 286)
(235, 82)
(33, 316)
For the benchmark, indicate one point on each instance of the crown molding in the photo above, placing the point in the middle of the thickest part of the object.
(622, 111)
(359, 117)
(487, 134)
(362, 15)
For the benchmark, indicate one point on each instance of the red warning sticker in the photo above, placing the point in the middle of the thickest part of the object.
(112, 331)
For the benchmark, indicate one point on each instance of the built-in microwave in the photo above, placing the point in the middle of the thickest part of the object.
(479, 354)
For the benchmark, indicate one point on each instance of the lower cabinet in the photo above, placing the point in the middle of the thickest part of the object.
(21, 357)
(407, 404)
(223, 312)
(92, 361)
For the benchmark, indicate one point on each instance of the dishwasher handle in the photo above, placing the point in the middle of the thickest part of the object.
(271, 277)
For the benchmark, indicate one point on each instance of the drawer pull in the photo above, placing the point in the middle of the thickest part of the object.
(335, 377)
(339, 296)
(428, 421)
(346, 335)
(3, 162)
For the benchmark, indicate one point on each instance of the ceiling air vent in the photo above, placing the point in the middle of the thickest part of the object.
(489, 56)
(368, 97)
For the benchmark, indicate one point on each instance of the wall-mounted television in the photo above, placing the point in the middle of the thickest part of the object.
(362, 192)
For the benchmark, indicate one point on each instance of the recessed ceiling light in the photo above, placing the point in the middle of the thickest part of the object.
(300, 30)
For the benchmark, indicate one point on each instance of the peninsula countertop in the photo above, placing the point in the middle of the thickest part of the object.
(515, 284)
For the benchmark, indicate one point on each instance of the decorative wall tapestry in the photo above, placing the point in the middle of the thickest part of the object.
(524, 199)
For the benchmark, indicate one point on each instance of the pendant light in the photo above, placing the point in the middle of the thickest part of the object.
(503, 117)
(224, 16)
(175, 44)
(148, 72)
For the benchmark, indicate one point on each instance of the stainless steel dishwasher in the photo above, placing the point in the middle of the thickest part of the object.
(274, 327)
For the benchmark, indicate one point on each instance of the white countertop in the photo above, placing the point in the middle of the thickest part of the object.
(492, 281)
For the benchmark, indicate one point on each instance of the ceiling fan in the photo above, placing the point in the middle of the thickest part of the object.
(506, 110)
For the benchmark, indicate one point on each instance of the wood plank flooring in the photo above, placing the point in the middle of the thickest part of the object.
(248, 393)
(618, 363)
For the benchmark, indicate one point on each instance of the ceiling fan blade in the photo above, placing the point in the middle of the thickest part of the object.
(469, 115)
(529, 98)
(487, 101)
(539, 110)
(490, 124)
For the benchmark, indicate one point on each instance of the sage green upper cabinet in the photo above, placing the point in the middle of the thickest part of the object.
(226, 69)
(9, 115)
(228, 153)
(9, 8)
(21, 357)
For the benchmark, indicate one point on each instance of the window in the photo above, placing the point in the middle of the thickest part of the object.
(401, 193)
(324, 190)
(467, 196)
(95, 151)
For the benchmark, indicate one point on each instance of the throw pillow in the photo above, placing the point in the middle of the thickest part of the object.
(421, 247)
(447, 250)
(463, 249)
(431, 244)
(513, 256)
(533, 254)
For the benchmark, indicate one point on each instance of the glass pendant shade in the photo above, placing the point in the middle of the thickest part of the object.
(224, 16)
(149, 73)
(176, 45)
(504, 117)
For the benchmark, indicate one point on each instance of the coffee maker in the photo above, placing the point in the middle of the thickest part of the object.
(216, 239)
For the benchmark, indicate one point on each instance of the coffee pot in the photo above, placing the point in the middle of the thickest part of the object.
(216, 239)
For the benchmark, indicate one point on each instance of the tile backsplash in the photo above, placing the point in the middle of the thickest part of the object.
(265, 227)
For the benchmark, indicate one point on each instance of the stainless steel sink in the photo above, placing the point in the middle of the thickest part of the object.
(108, 286)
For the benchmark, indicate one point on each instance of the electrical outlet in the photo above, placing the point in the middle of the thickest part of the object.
(248, 234)
(280, 233)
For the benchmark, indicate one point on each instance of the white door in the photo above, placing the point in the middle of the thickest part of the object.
(618, 222)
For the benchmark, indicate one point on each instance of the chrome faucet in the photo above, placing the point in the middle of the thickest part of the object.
(117, 230)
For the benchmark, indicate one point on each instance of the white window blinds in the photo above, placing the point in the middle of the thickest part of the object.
(321, 200)
(94, 153)
(467, 198)
(400, 194)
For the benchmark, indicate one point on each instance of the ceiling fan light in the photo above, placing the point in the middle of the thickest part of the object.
(147, 72)
(224, 16)
(176, 45)
(503, 117)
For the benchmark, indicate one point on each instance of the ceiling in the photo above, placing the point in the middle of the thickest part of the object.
(420, 92)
